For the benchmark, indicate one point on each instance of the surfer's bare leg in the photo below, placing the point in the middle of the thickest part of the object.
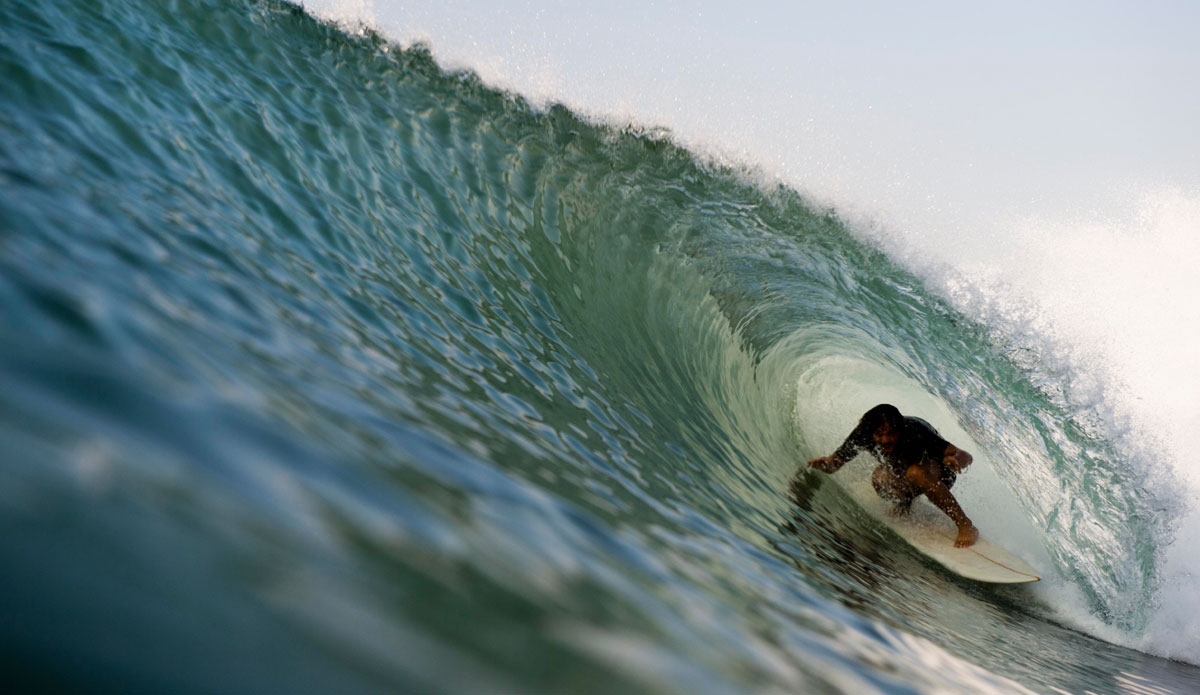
(894, 488)
(926, 476)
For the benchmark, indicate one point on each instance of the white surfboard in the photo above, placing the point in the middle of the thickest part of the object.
(930, 531)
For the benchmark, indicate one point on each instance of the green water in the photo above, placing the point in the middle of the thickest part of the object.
(324, 369)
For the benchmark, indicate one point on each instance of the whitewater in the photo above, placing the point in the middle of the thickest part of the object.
(371, 346)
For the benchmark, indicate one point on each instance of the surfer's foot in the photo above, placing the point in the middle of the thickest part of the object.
(967, 535)
(900, 508)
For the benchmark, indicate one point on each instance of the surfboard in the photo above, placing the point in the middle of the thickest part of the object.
(932, 533)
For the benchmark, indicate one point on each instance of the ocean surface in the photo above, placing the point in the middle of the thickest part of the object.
(327, 368)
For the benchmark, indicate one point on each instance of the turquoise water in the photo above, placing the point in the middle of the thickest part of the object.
(324, 369)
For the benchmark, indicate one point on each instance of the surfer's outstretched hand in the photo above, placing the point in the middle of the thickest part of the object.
(825, 464)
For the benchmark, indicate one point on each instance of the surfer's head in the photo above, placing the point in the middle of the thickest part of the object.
(884, 422)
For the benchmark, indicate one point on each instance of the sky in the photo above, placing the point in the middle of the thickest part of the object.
(930, 114)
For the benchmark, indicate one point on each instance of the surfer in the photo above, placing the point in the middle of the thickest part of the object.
(914, 461)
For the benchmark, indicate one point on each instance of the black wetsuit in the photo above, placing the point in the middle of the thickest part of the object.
(917, 441)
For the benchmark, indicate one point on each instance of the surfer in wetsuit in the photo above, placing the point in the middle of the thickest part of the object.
(914, 461)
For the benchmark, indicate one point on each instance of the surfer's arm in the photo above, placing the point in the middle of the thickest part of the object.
(855, 442)
(859, 439)
(956, 459)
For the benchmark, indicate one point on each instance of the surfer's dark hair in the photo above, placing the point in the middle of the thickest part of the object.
(882, 414)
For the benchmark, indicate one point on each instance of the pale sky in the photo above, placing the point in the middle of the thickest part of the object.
(984, 110)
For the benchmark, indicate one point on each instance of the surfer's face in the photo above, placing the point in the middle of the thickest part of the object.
(885, 438)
